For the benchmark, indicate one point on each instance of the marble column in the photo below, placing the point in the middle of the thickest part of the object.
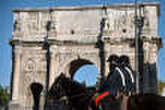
(52, 69)
(16, 73)
(146, 47)
(150, 69)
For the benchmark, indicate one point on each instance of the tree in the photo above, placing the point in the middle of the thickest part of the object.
(4, 96)
(161, 85)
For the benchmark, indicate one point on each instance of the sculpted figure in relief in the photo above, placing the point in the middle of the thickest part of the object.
(29, 70)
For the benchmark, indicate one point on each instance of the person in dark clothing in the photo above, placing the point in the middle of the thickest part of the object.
(107, 97)
(128, 73)
(115, 80)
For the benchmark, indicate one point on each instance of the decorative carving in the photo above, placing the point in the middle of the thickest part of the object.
(33, 27)
(17, 25)
(33, 23)
(119, 20)
(146, 27)
(123, 20)
(34, 69)
(30, 66)
(30, 74)
(44, 17)
(52, 31)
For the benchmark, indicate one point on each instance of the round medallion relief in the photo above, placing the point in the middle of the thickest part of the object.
(30, 66)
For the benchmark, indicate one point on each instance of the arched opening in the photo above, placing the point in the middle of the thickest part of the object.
(36, 89)
(84, 71)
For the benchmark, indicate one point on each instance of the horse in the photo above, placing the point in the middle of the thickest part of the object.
(140, 101)
(106, 100)
(75, 94)
(57, 98)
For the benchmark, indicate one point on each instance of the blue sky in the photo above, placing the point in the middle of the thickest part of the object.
(87, 74)
(6, 26)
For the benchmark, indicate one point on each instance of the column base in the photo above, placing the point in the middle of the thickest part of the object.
(18, 105)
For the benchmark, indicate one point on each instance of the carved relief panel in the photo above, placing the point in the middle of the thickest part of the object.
(120, 21)
(30, 24)
(34, 70)
(18, 31)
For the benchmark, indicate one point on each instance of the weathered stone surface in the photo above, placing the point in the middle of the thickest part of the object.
(31, 24)
(73, 36)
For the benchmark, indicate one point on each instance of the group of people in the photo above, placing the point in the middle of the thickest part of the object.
(67, 94)
(120, 81)
(120, 77)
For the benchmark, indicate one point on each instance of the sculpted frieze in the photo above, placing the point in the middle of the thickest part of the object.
(30, 66)
(33, 24)
(29, 71)
(120, 19)
(18, 23)
(63, 57)
(44, 18)
(34, 64)
(77, 49)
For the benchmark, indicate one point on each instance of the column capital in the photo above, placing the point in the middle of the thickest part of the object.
(53, 50)
(18, 50)
(52, 54)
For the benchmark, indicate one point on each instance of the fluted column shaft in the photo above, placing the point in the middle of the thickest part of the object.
(16, 73)
(52, 69)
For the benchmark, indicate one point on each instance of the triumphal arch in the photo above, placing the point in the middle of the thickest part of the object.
(48, 41)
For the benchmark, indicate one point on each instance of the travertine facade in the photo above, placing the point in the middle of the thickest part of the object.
(72, 34)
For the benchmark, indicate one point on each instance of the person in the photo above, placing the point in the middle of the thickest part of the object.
(128, 73)
(107, 95)
(115, 81)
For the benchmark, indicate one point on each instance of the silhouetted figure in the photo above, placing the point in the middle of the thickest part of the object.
(36, 89)
(116, 80)
(146, 102)
(77, 96)
(128, 73)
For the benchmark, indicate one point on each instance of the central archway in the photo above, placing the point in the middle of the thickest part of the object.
(84, 71)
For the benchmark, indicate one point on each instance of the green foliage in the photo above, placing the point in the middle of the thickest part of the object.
(161, 85)
(4, 96)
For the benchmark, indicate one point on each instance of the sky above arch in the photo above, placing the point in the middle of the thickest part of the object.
(6, 27)
(87, 74)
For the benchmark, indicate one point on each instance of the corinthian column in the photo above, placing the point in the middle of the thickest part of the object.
(16, 73)
(52, 69)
